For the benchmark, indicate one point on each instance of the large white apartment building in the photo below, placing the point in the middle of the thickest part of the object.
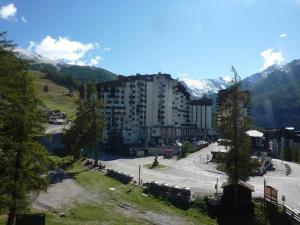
(152, 109)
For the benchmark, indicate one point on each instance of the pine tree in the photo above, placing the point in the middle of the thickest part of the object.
(234, 122)
(88, 126)
(23, 160)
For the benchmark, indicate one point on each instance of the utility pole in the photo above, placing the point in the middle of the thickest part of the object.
(216, 187)
(95, 127)
(139, 174)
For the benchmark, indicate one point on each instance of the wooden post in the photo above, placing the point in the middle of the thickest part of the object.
(264, 188)
(265, 203)
(216, 187)
(139, 174)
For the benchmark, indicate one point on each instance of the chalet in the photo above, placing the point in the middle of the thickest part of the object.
(258, 143)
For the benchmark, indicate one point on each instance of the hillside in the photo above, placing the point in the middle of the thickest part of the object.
(56, 97)
(275, 96)
(79, 73)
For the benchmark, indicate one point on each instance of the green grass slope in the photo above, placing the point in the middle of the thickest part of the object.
(79, 73)
(55, 98)
(105, 209)
(105, 212)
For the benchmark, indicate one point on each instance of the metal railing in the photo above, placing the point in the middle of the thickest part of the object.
(291, 213)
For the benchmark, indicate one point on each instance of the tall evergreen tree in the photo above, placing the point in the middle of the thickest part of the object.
(234, 122)
(88, 126)
(23, 160)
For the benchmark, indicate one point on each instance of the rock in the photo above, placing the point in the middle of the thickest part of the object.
(61, 214)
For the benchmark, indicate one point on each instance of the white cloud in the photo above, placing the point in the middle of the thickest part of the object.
(298, 2)
(106, 49)
(270, 57)
(63, 48)
(283, 35)
(227, 78)
(24, 19)
(94, 61)
(8, 11)
(78, 63)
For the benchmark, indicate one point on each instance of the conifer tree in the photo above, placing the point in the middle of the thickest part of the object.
(88, 126)
(234, 122)
(23, 160)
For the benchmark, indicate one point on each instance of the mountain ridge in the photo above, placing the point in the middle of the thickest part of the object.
(275, 92)
(63, 73)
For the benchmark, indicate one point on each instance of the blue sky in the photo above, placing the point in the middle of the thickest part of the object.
(194, 38)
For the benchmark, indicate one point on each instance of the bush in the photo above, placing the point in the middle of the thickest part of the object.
(155, 162)
(46, 88)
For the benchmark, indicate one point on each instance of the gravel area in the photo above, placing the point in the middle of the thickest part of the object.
(62, 194)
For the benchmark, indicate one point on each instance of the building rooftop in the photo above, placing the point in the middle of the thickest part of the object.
(202, 101)
(255, 133)
(240, 183)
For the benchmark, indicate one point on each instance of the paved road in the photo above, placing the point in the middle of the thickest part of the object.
(201, 177)
(53, 129)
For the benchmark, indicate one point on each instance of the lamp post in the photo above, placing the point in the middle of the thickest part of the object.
(216, 187)
(139, 174)
(283, 199)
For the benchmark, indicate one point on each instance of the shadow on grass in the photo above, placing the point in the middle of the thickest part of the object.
(74, 174)
(63, 170)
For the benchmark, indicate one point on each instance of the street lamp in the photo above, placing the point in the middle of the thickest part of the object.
(283, 199)
(216, 187)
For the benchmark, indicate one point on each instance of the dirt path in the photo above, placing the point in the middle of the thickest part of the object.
(150, 216)
(61, 196)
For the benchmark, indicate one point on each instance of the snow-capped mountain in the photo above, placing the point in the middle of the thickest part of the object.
(275, 94)
(34, 58)
(198, 88)
(252, 79)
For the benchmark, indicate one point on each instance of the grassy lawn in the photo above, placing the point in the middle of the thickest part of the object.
(92, 214)
(105, 210)
(56, 97)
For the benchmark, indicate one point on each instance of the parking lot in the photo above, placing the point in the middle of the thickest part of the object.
(194, 172)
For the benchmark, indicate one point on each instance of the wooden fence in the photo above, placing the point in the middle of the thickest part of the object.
(293, 214)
